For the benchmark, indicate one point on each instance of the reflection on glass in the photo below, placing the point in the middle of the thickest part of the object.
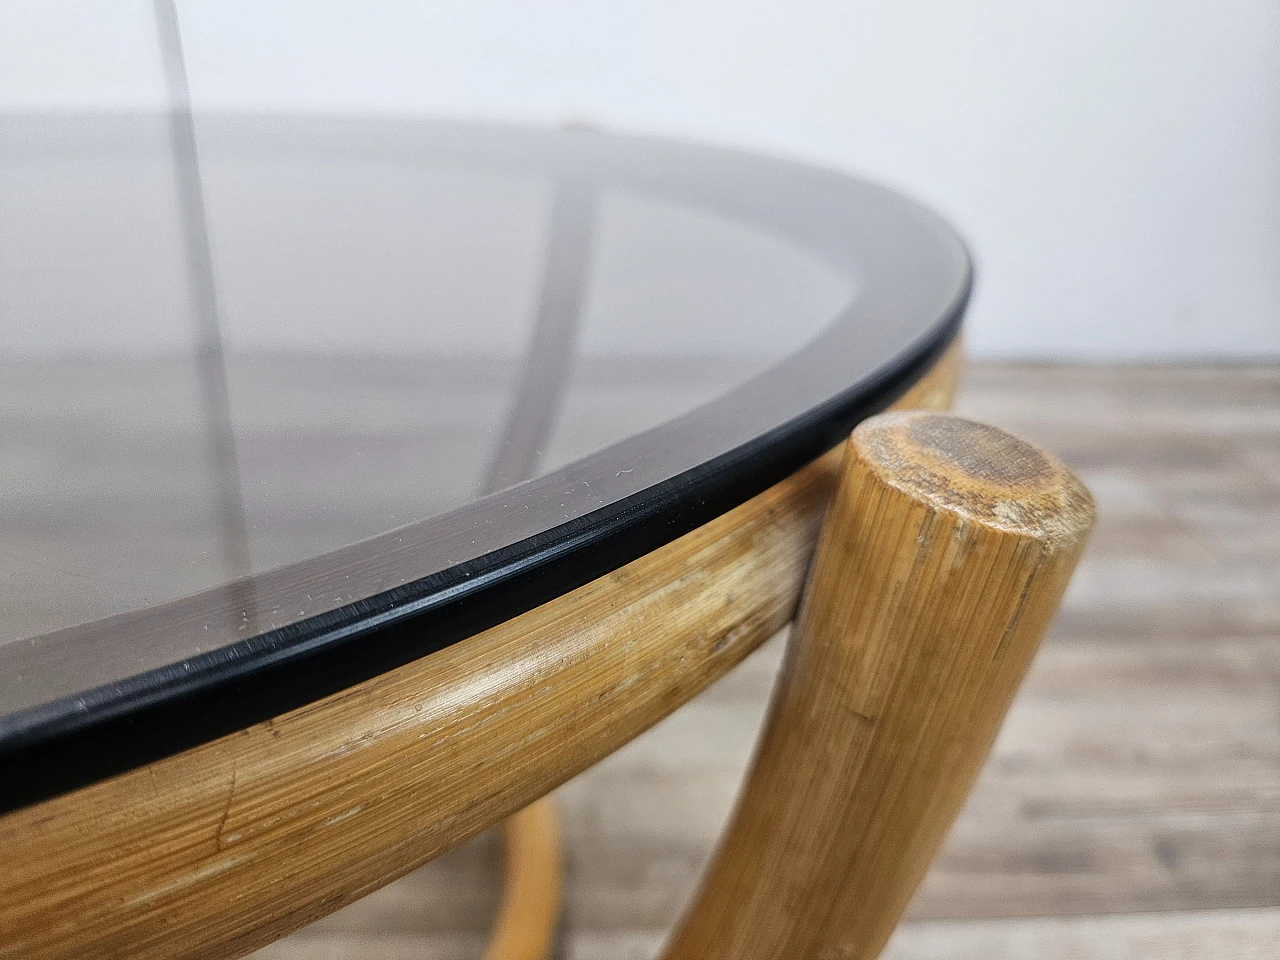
(376, 311)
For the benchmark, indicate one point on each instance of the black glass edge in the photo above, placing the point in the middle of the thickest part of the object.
(66, 744)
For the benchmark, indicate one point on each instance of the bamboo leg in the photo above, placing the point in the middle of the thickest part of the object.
(943, 558)
(526, 924)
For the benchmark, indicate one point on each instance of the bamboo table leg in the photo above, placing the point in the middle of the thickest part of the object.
(945, 553)
(530, 911)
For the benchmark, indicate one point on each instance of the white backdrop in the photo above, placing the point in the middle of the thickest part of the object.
(1115, 166)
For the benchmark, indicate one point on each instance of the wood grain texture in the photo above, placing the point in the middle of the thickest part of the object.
(1198, 935)
(233, 844)
(942, 560)
(227, 846)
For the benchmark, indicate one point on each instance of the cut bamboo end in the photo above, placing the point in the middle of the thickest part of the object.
(941, 562)
(980, 473)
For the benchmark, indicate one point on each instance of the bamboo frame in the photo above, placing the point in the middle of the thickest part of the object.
(228, 846)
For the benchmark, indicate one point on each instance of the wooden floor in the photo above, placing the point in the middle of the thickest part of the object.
(1132, 806)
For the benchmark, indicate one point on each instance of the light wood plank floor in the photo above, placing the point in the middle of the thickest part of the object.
(1132, 806)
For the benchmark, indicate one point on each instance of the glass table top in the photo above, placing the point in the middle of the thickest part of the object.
(323, 372)
(373, 315)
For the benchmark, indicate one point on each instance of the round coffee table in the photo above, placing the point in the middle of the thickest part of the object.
(349, 393)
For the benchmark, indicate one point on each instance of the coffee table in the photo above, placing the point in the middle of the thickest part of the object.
(323, 454)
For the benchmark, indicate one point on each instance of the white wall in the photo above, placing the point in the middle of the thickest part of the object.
(1115, 165)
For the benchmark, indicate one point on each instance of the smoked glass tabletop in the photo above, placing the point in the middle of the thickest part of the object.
(316, 397)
